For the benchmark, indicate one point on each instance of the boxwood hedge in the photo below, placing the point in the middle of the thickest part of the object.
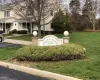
(54, 53)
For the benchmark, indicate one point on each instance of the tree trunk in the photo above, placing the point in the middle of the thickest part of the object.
(93, 18)
(39, 29)
(94, 27)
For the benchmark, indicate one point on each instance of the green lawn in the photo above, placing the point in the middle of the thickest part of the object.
(8, 53)
(29, 37)
(7, 35)
(24, 37)
(88, 69)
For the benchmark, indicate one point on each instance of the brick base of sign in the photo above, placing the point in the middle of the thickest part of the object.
(35, 41)
(65, 40)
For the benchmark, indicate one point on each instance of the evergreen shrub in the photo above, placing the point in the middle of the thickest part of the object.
(54, 53)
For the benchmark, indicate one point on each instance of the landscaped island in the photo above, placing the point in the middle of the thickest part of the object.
(50, 53)
(87, 68)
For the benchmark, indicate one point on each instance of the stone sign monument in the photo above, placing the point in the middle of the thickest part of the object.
(50, 40)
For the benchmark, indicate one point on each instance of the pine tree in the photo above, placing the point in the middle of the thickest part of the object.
(74, 6)
(60, 22)
(87, 7)
(75, 10)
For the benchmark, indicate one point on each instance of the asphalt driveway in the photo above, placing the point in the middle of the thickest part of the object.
(9, 74)
(5, 44)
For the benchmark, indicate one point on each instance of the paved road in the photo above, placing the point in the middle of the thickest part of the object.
(8, 74)
(5, 44)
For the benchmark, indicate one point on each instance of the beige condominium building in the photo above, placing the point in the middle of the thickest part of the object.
(10, 21)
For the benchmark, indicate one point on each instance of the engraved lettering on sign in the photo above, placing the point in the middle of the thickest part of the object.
(50, 40)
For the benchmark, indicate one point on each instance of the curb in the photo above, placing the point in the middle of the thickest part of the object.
(37, 72)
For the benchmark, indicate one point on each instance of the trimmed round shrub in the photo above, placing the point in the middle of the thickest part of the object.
(1, 31)
(54, 53)
(22, 32)
(13, 31)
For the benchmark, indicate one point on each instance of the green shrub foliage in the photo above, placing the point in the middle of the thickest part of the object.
(61, 22)
(62, 52)
(13, 31)
(22, 32)
(1, 31)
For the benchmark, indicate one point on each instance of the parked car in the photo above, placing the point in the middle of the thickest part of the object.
(1, 38)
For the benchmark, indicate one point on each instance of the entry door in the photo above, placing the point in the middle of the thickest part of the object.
(29, 27)
(8, 27)
(3, 28)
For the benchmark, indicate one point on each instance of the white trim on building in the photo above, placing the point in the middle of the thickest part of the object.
(9, 21)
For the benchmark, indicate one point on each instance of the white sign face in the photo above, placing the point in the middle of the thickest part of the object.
(50, 40)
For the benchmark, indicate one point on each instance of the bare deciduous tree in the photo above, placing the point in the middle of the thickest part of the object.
(91, 10)
(37, 11)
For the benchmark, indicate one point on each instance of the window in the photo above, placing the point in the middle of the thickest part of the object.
(6, 14)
